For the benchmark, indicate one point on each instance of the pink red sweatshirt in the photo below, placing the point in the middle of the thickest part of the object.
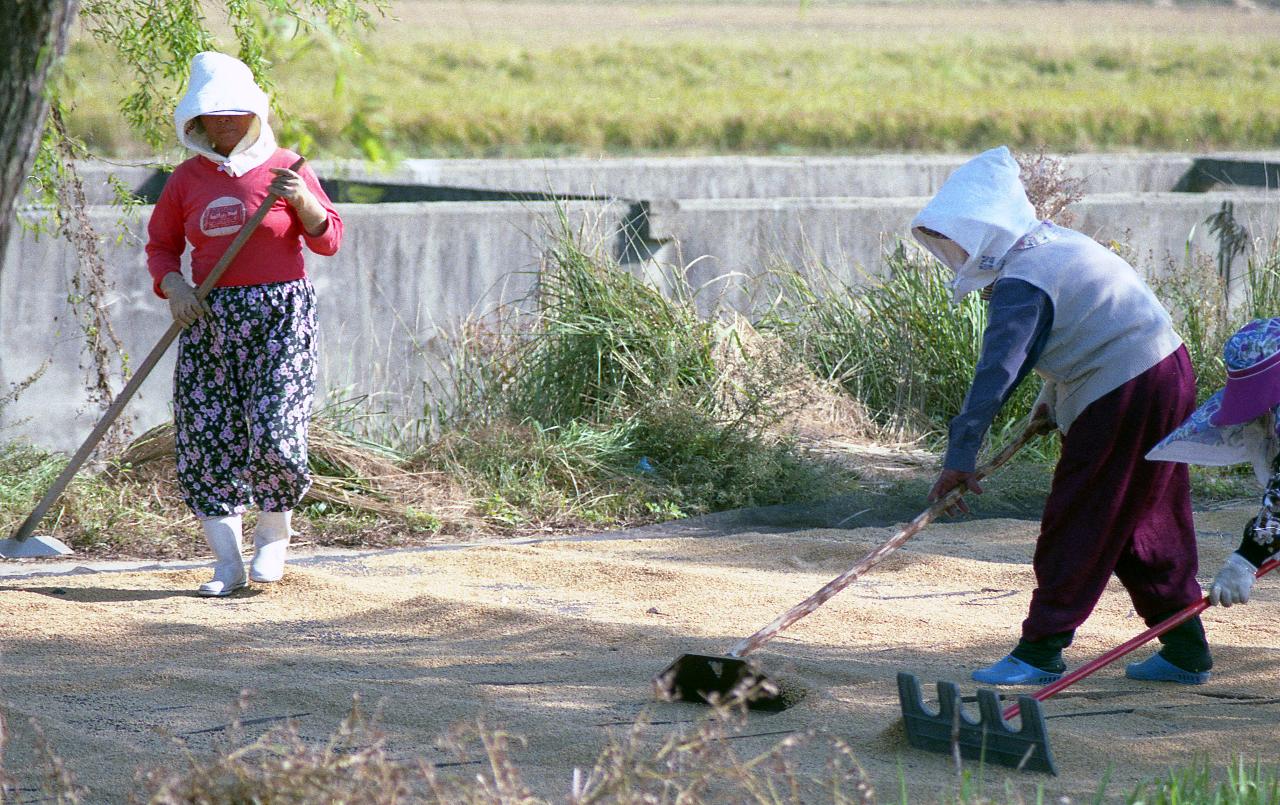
(205, 206)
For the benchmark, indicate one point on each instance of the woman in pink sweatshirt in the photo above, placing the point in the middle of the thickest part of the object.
(245, 375)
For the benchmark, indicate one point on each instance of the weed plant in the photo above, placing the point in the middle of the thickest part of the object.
(94, 515)
(1206, 312)
(1245, 784)
(604, 399)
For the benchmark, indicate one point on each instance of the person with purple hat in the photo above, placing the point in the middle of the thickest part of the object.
(1240, 424)
(1117, 380)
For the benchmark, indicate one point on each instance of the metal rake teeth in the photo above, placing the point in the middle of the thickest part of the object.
(989, 739)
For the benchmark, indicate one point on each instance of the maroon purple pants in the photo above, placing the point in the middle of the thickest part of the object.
(1110, 510)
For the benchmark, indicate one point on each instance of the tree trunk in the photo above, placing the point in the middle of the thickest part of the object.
(33, 36)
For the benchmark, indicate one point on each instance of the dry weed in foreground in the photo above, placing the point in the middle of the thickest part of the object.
(354, 765)
(55, 782)
(282, 766)
(1048, 187)
(701, 765)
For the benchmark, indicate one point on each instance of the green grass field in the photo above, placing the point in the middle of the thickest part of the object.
(534, 78)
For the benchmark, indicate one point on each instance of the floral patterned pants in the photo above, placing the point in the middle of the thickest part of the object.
(242, 393)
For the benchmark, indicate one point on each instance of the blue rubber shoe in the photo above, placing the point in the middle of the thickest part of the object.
(1013, 671)
(1157, 669)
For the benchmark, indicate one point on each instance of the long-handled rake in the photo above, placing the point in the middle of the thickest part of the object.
(22, 544)
(704, 677)
(991, 738)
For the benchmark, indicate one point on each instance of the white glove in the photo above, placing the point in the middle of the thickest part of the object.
(183, 303)
(1234, 582)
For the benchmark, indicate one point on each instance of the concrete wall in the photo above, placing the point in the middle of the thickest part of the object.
(405, 275)
(409, 272)
(732, 237)
(885, 176)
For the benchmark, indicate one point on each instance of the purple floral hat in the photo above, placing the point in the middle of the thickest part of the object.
(1252, 357)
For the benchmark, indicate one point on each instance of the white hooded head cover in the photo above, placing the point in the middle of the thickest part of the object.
(983, 207)
(222, 83)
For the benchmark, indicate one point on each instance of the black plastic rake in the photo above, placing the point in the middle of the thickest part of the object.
(991, 738)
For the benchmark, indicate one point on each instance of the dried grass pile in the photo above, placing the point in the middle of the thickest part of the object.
(763, 380)
(348, 473)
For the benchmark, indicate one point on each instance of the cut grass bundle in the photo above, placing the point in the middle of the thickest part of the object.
(133, 507)
(346, 473)
(898, 345)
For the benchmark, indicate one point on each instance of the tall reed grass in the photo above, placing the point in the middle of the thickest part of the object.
(602, 398)
(605, 341)
(1209, 301)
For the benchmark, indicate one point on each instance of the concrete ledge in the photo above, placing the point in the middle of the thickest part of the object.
(638, 178)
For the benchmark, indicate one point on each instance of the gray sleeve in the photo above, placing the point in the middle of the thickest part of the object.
(1019, 317)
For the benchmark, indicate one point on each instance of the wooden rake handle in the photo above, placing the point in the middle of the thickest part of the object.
(140, 374)
(1035, 427)
(1119, 651)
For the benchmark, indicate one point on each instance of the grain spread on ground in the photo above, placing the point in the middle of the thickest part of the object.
(557, 640)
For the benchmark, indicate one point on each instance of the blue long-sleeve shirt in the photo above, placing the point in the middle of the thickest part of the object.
(1019, 317)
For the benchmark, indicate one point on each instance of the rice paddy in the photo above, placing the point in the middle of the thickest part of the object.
(536, 78)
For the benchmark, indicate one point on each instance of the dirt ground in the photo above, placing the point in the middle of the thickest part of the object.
(557, 641)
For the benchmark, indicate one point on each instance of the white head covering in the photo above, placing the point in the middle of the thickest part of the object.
(983, 207)
(222, 83)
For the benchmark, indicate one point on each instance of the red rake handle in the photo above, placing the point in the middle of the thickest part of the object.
(1119, 651)
(1034, 428)
(140, 374)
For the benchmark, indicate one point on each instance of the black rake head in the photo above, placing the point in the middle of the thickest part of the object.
(710, 679)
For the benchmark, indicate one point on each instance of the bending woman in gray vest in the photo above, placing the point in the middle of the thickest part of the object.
(1117, 379)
